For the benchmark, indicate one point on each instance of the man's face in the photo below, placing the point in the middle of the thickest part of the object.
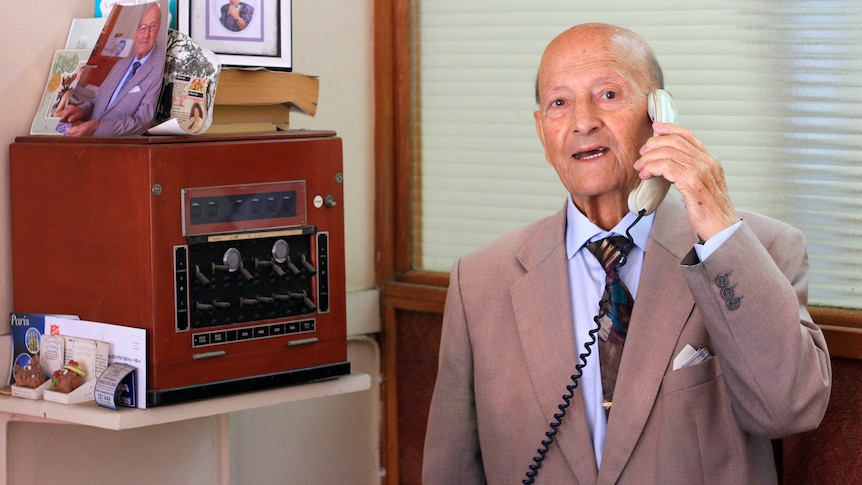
(147, 32)
(592, 117)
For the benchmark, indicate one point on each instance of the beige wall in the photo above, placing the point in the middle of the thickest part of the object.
(40, 28)
(332, 39)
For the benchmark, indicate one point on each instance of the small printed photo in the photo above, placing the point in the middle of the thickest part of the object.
(33, 339)
(119, 47)
(64, 78)
(196, 117)
(197, 85)
(236, 15)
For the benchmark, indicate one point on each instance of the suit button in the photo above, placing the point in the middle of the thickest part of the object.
(727, 292)
(721, 281)
(733, 303)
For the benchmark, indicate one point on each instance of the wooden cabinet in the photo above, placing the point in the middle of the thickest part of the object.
(228, 250)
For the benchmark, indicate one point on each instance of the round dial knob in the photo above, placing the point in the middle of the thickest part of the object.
(232, 259)
(280, 251)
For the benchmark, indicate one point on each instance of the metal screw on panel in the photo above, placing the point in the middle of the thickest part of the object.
(339, 178)
(157, 189)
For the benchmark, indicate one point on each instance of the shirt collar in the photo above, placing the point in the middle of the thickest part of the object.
(144, 59)
(579, 229)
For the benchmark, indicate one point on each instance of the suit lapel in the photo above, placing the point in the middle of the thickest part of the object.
(662, 307)
(141, 73)
(544, 320)
(113, 79)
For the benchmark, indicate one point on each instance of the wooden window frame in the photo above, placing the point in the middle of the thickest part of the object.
(401, 288)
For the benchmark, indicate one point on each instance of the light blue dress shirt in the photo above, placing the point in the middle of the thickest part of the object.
(587, 282)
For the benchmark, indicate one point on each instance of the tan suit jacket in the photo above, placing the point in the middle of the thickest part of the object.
(507, 354)
(134, 108)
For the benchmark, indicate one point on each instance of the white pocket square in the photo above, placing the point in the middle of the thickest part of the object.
(136, 89)
(688, 357)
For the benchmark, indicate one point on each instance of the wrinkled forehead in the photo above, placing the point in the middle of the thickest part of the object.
(601, 47)
(152, 14)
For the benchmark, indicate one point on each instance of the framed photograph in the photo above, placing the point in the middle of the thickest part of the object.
(243, 33)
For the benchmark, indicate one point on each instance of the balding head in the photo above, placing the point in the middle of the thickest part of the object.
(147, 32)
(640, 57)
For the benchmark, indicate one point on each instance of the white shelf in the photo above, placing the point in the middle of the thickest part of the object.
(90, 414)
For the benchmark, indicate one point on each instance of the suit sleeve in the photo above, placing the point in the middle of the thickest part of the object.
(87, 109)
(452, 453)
(752, 294)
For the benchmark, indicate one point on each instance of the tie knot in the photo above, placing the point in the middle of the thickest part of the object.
(610, 251)
(135, 67)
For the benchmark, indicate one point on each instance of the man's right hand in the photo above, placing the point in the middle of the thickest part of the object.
(71, 113)
(86, 128)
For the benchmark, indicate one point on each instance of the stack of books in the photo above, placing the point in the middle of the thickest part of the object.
(257, 100)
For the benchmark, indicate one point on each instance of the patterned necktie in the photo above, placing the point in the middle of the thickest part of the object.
(616, 308)
(135, 67)
(123, 83)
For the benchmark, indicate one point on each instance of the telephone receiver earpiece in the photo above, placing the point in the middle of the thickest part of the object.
(660, 107)
(649, 193)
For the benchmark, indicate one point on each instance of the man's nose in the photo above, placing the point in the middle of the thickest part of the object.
(584, 118)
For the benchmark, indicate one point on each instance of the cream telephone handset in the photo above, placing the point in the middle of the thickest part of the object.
(649, 194)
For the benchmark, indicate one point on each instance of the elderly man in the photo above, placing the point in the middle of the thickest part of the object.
(125, 102)
(717, 354)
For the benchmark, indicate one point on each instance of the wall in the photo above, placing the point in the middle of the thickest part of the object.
(332, 39)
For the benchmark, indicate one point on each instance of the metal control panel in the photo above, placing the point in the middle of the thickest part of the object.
(265, 277)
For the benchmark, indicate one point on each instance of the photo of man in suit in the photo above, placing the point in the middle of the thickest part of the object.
(126, 100)
(519, 327)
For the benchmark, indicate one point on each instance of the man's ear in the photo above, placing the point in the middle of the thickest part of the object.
(537, 116)
(540, 132)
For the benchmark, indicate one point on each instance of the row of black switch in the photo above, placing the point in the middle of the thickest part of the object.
(219, 337)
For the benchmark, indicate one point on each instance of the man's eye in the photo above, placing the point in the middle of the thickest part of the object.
(557, 102)
(609, 95)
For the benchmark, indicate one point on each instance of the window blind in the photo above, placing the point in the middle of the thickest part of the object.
(770, 87)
